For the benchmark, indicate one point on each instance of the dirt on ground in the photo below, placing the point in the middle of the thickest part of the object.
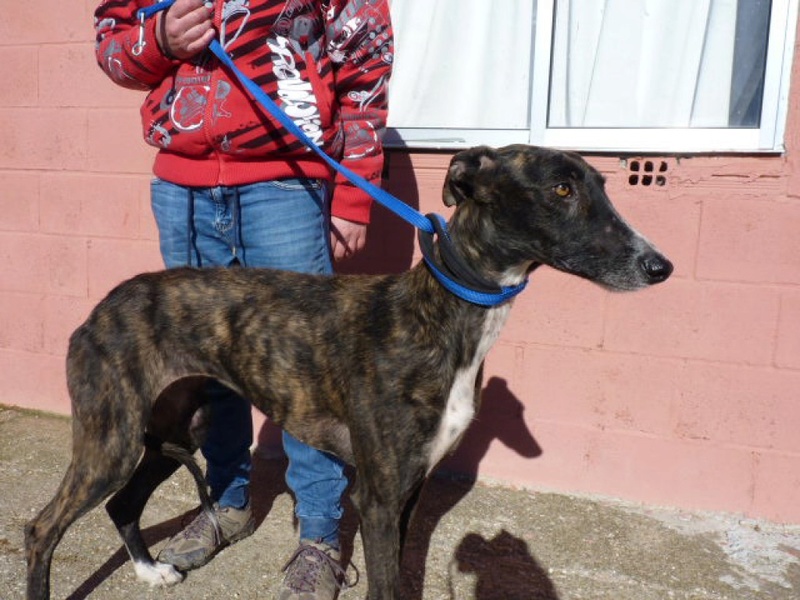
(469, 540)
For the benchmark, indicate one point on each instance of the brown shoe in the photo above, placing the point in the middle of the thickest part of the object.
(201, 540)
(312, 573)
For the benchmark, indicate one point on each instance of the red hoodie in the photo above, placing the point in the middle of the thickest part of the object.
(327, 64)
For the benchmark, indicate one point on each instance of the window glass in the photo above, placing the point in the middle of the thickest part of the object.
(593, 75)
(658, 63)
(462, 64)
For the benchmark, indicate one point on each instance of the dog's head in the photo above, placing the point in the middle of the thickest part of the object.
(520, 206)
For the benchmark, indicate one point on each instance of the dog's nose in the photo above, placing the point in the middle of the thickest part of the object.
(656, 267)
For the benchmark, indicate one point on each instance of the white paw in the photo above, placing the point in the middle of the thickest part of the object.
(157, 573)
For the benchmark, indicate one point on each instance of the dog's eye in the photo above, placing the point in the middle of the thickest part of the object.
(562, 190)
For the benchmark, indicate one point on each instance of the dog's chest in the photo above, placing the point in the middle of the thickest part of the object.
(460, 407)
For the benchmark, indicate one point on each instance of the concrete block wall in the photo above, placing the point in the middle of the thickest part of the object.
(686, 394)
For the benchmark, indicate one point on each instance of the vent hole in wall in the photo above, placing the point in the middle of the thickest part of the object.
(647, 173)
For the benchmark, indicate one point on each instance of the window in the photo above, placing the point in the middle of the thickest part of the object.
(598, 75)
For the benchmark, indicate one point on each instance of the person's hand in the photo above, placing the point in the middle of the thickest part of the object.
(347, 237)
(185, 29)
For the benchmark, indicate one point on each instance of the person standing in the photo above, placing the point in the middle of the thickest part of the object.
(233, 188)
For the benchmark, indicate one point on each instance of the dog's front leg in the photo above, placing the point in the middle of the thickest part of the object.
(380, 533)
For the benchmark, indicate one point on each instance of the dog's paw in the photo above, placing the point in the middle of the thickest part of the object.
(157, 573)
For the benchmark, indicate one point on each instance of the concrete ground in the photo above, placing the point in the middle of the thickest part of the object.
(470, 541)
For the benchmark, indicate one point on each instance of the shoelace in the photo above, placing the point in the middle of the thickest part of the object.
(305, 574)
(200, 523)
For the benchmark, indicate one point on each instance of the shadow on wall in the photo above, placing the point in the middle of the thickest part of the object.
(503, 566)
(390, 240)
(500, 417)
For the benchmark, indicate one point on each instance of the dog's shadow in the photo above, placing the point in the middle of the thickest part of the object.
(504, 566)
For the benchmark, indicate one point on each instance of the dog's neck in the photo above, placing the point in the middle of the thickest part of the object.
(471, 239)
(448, 262)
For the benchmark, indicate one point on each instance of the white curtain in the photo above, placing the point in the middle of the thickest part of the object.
(642, 63)
(462, 63)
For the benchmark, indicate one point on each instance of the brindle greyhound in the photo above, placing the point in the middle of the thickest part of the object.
(382, 371)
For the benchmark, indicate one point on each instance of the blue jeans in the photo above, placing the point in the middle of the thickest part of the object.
(277, 224)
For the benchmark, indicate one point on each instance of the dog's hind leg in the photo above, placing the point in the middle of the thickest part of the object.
(175, 430)
(43, 533)
(92, 476)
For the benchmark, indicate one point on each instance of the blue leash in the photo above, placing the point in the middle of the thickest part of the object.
(421, 222)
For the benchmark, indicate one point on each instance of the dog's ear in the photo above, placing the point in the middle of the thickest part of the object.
(465, 172)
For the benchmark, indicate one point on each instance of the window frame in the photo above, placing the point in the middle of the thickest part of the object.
(767, 138)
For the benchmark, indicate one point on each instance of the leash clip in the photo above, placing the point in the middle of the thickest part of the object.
(138, 47)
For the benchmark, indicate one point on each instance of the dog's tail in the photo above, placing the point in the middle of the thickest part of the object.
(183, 456)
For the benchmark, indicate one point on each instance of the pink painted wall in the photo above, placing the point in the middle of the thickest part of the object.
(687, 394)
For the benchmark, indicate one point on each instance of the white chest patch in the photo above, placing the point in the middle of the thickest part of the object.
(460, 406)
